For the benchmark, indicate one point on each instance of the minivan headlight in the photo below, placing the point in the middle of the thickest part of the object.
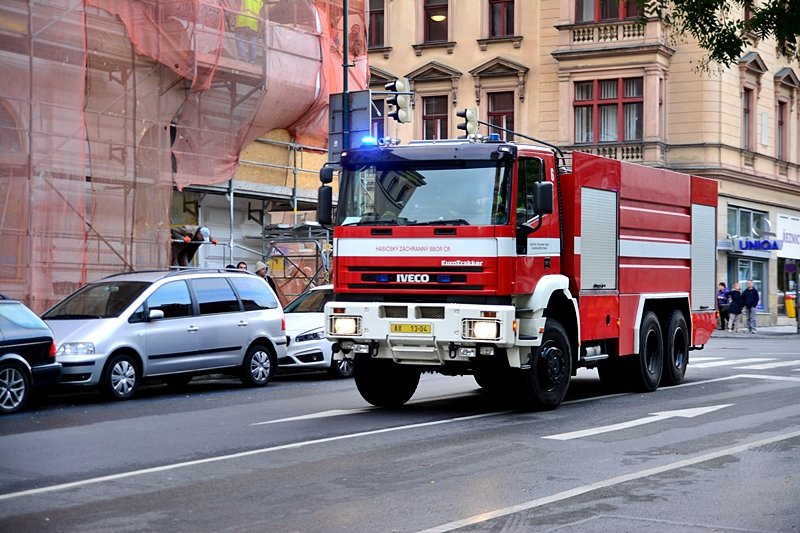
(75, 348)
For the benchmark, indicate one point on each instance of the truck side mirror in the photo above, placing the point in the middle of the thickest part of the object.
(541, 201)
(326, 175)
(324, 204)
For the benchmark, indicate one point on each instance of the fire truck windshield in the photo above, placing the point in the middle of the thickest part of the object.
(425, 193)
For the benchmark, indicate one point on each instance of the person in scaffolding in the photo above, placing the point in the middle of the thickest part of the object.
(246, 27)
(185, 242)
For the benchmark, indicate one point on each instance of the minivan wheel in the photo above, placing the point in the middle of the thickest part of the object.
(258, 366)
(120, 377)
(341, 369)
(14, 388)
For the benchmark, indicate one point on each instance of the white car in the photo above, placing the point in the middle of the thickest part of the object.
(305, 326)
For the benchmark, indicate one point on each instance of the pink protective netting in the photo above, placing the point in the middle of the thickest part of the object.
(108, 104)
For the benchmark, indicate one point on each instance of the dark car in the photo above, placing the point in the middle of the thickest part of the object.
(27, 355)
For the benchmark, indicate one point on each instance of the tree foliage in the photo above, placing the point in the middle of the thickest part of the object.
(724, 31)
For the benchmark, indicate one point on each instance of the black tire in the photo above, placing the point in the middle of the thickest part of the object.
(258, 366)
(178, 381)
(676, 350)
(341, 369)
(120, 378)
(15, 387)
(384, 383)
(646, 368)
(544, 385)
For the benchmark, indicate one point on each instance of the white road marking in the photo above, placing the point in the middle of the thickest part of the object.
(767, 366)
(602, 484)
(654, 417)
(701, 358)
(321, 414)
(731, 362)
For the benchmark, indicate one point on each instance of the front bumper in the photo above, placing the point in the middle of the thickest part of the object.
(417, 333)
(82, 369)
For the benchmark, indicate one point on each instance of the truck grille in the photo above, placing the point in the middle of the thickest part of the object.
(423, 279)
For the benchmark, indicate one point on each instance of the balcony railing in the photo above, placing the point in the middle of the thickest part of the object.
(623, 152)
(608, 33)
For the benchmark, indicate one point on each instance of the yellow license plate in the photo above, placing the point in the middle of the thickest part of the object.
(410, 328)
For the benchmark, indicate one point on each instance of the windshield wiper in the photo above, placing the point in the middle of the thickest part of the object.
(380, 222)
(446, 222)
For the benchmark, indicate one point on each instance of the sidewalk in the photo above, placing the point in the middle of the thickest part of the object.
(762, 332)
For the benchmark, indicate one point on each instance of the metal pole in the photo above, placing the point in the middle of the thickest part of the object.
(345, 91)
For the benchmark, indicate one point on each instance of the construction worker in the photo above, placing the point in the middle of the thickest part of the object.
(246, 27)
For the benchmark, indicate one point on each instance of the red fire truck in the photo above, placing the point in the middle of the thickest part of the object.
(493, 259)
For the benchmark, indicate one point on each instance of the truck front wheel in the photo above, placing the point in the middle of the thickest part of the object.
(384, 383)
(545, 383)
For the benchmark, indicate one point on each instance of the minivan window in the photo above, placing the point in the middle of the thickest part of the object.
(215, 295)
(254, 293)
(173, 299)
(98, 300)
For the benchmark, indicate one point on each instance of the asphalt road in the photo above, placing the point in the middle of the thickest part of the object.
(306, 453)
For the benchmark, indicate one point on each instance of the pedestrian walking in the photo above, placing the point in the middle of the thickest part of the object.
(263, 271)
(735, 306)
(749, 302)
(723, 300)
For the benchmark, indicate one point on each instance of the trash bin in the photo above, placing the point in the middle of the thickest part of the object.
(790, 308)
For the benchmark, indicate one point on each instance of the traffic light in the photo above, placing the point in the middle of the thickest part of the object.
(401, 99)
(470, 116)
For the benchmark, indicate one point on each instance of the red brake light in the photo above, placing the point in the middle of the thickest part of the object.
(283, 322)
(52, 350)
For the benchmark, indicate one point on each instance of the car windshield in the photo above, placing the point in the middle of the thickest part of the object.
(425, 193)
(98, 300)
(309, 302)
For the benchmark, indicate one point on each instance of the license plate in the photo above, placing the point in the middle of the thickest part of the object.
(410, 328)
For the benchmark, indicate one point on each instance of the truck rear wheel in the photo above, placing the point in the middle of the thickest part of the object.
(545, 383)
(384, 383)
(676, 350)
(648, 365)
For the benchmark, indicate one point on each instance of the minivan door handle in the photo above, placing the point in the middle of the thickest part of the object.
(192, 329)
(243, 324)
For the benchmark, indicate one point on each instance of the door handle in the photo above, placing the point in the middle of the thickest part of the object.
(242, 324)
(192, 329)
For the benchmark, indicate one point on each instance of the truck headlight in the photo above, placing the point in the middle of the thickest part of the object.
(75, 348)
(346, 325)
(485, 330)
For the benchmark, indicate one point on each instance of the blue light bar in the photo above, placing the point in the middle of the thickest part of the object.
(494, 137)
(381, 278)
(369, 141)
(443, 278)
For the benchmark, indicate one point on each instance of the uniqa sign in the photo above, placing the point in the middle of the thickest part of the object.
(765, 245)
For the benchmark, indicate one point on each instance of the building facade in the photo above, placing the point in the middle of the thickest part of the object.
(588, 75)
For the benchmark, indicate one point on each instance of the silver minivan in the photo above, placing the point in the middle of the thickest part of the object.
(173, 325)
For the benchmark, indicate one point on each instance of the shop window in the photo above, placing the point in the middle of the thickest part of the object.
(435, 23)
(755, 270)
(501, 18)
(609, 110)
(501, 113)
(376, 23)
(746, 223)
(434, 117)
(602, 10)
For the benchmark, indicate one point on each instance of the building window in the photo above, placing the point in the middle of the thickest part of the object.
(746, 223)
(501, 18)
(435, 21)
(747, 117)
(599, 10)
(609, 110)
(780, 131)
(501, 113)
(378, 118)
(434, 117)
(376, 18)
